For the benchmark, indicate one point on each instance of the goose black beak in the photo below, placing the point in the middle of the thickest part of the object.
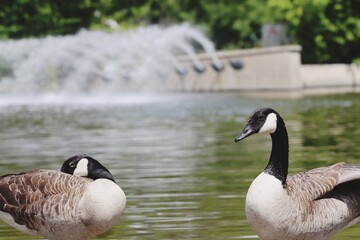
(248, 131)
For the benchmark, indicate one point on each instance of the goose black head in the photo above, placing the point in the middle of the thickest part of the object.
(85, 166)
(263, 120)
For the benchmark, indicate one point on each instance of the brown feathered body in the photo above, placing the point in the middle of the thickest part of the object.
(312, 205)
(59, 205)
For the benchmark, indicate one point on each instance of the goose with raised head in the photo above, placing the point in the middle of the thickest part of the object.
(311, 205)
(77, 203)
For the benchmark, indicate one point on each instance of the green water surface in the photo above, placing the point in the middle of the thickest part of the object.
(175, 156)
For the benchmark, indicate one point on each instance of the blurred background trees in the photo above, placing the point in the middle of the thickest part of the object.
(328, 30)
(38, 18)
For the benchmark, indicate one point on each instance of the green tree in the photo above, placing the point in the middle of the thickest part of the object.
(229, 23)
(130, 13)
(27, 18)
(328, 30)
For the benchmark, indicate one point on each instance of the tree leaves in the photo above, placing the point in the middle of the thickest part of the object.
(328, 30)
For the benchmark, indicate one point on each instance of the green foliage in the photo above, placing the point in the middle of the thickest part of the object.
(328, 30)
(356, 61)
(229, 23)
(28, 18)
(134, 13)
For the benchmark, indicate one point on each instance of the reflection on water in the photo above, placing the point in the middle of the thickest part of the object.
(174, 156)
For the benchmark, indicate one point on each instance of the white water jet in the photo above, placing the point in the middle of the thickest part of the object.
(98, 62)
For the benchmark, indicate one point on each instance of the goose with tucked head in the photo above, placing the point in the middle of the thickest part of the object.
(311, 205)
(77, 203)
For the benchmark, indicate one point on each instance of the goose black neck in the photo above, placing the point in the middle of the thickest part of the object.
(279, 157)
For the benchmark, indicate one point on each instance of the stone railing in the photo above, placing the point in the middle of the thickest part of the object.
(272, 69)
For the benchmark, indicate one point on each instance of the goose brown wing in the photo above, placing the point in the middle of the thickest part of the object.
(318, 182)
(349, 172)
(26, 195)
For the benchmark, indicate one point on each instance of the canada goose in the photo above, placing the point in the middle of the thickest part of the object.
(309, 205)
(78, 203)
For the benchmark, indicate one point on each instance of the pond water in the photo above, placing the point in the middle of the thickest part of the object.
(174, 155)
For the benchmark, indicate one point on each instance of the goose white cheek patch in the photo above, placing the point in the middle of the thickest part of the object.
(81, 168)
(270, 124)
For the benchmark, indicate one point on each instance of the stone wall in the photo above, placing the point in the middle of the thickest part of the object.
(330, 77)
(272, 69)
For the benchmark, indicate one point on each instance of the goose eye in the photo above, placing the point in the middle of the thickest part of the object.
(72, 164)
(261, 117)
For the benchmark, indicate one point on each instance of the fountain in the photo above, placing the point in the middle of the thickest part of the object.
(236, 64)
(95, 61)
